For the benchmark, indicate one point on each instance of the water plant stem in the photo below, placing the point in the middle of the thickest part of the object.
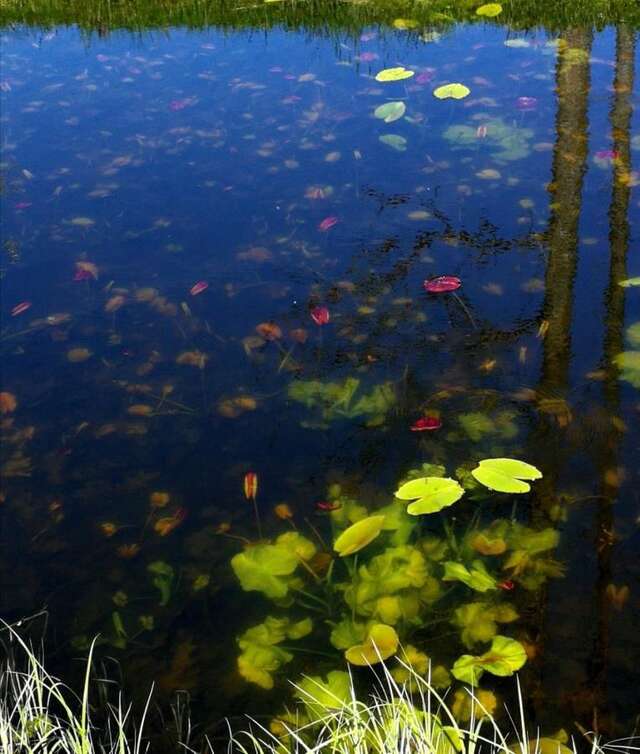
(465, 310)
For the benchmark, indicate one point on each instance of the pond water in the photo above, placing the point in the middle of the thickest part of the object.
(214, 252)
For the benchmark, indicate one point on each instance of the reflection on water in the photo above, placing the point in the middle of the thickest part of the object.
(218, 354)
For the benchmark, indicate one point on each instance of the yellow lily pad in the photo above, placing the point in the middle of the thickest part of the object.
(451, 91)
(381, 643)
(405, 23)
(358, 535)
(394, 74)
(489, 10)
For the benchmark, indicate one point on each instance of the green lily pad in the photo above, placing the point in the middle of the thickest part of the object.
(506, 474)
(452, 91)
(430, 494)
(630, 282)
(358, 535)
(503, 659)
(399, 143)
(390, 111)
(394, 74)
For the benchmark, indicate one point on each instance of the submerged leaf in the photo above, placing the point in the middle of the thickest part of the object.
(399, 143)
(381, 643)
(503, 658)
(390, 111)
(477, 577)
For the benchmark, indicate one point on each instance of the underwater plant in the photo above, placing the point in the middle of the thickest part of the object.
(394, 576)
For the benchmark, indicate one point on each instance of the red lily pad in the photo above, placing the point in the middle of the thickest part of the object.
(320, 315)
(426, 424)
(442, 284)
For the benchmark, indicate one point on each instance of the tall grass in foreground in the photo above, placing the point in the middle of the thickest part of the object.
(40, 715)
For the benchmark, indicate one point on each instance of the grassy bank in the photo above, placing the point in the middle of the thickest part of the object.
(40, 715)
(105, 15)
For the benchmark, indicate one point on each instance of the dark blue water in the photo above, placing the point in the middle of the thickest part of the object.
(137, 166)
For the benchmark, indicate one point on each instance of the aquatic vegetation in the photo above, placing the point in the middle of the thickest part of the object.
(451, 91)
(426, 424)
(508, 143)
(628, 362)
(430, 494)
(261, 656)
(399, 73)
(320, 315)
(391, 575)
(358, 535)
(442, 284)
(489, 10)
(322, 263)
(506, 474)
(342, 400)
(390, 111)
(381, 643)
(504, 657)
(395, 141)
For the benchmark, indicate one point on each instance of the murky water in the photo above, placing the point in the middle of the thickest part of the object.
(213, 265)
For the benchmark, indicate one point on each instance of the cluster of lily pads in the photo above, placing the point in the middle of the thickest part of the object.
(394, 577)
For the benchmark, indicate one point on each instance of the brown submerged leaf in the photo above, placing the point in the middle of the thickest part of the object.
(140, 409)
(269, 331)
(8, 402)
(78, 355)
(193, 359)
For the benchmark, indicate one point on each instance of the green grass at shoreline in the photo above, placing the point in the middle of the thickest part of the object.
(40, 715)
(348, 15)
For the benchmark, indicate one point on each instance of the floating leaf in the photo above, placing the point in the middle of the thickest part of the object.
(320, 315)
(442, 284)
(358, 535)
(390, 111)
(430, 494)
(452, 91)
(399, 143)
(394, 74)
(489, 10)
(506, 474)
(405, 23)
(381, 643)
(503, 658)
